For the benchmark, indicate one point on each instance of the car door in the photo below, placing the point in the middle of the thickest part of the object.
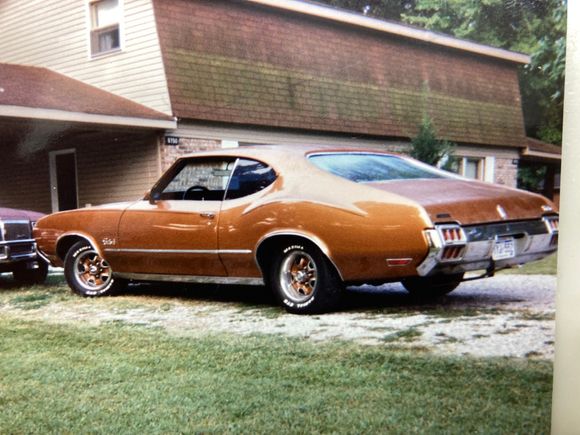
(175, 232)
(245, 217)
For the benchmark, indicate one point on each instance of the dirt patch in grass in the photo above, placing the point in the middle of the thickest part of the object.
(468, 322)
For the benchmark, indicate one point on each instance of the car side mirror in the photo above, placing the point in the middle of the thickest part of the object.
(154, 196)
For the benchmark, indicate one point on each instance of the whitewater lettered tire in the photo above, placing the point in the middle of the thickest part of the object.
(304, 281)
(87, 273)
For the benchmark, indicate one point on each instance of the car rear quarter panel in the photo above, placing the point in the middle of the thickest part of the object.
(359, 227)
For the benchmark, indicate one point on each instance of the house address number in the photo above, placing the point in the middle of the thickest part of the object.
(171, 140)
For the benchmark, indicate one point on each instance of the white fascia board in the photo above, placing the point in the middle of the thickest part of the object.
(86, 118)
(527, 152)
(394, 28)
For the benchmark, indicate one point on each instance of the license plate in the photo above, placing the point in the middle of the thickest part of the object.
(504, 248)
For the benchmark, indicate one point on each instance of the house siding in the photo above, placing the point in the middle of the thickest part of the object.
(111, 167)
(57, 37)
(26, 183)
(129, 170)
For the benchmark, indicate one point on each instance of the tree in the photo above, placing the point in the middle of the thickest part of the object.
(384, 9)
(427, 148)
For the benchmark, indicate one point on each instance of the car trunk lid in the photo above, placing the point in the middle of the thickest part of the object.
(468, 202)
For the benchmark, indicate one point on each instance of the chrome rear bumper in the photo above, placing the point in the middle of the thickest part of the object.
(456, 249)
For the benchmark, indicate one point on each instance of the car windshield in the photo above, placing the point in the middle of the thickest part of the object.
(368, 168)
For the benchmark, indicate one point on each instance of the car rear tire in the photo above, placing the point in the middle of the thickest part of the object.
(25, 276)
(430, 287)
(304, 281)
(87, 273)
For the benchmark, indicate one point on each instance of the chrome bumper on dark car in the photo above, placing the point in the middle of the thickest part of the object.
(17, 251)
(456, 249)
(16, 242)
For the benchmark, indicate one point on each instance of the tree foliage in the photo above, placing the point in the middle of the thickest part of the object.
(427, 148)
(535, 27)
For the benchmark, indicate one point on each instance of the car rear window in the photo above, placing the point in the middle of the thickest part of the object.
(369, 168)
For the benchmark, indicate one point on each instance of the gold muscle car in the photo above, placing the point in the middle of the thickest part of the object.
(304, 221)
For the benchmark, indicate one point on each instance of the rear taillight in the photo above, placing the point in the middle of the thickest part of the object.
(553, 227)
(452, 234)
(451, 253)
(454, 242)
(552, 223)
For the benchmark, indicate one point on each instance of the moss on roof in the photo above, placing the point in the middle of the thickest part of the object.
(208, 85)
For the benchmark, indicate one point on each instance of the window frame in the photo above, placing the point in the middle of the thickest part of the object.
(439, 173)
(236, 165)
(480, 168)
(156, 192)
(94, 31)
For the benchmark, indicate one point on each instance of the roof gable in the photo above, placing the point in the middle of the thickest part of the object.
(241, 63)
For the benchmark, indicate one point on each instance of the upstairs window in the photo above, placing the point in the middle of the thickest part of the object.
(105, 26)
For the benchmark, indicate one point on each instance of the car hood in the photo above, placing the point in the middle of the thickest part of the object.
(468, 202)
(11, 213)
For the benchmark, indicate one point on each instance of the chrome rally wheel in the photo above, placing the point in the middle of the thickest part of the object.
(298, 276)
(87, 273)
(304, 280)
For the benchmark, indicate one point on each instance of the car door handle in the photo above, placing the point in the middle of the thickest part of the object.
(207, 214)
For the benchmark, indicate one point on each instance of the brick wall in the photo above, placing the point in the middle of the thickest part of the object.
(170, 153)
(506, 173)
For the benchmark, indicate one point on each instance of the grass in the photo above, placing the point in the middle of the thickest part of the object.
(405, 335)
(121, 379)
(546, 266)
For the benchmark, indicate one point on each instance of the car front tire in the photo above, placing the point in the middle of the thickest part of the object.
(304, 281)
(87, 273)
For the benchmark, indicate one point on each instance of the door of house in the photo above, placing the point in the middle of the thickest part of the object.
(63, 180)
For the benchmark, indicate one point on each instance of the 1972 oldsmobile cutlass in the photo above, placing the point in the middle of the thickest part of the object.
(305, 221)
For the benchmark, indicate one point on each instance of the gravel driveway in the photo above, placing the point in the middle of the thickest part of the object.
(508, 315)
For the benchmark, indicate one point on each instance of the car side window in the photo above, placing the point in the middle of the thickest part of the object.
(250, 176)
(199, 180)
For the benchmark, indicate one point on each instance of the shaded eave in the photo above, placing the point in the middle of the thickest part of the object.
(536, 150)
(35, 113)
(393, 28)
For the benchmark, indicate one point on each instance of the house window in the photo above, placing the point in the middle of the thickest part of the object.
(105, 26)
(472, 168)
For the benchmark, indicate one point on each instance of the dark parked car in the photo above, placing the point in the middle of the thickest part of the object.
(18, 248)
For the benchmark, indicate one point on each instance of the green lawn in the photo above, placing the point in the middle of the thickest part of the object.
(121, 379)
(547, 266)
